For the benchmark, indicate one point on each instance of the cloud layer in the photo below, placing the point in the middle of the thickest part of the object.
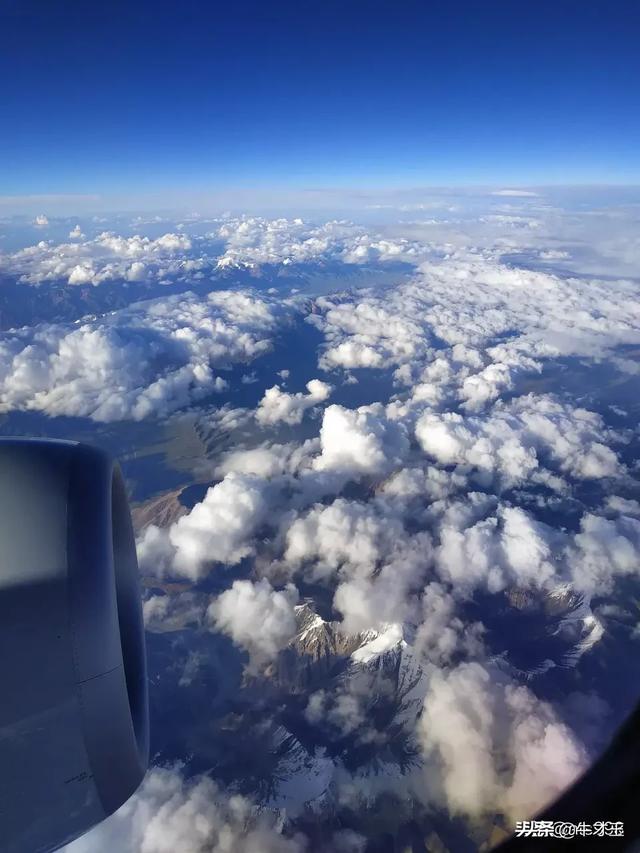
(453, 460)
(149, 359)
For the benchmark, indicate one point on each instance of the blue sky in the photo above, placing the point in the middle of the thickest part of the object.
(161, 97)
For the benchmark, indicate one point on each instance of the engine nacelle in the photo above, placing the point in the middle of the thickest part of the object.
(74, 733)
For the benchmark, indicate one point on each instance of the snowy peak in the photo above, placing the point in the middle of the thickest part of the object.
(318, 638)
(376, 644)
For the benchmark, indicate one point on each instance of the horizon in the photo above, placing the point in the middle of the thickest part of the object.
(311, 200)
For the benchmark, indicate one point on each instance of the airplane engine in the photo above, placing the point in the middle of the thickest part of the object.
(74, 732)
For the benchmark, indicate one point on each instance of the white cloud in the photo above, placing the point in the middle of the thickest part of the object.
(41, 221)
(494, 747)
(417, 484)
(279, 406)
(345, 710)
(378, 566)
(516, 193)
(149, 359)
(104, 258)
(255, 241)
(494, 550)
(554, 255)
(345, 532)
(170, 814)
(617, 505)
(442, 635)
(361, 441)
(266, 460)
(509, 548)
(274, 483)
(465, 327)
(256, 617)
(515, 439)
(219, 529)
(373, 331)
(389, 595)
(603, 550)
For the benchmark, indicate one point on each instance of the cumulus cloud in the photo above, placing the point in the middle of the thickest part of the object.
(249, 242)
(515, 439)
(389, 594)
(279, 406)
(509, 548)
(267, 460)
(602, 550)
(481, 322)
(616, 505)
(345, 532)
(258, 618)
(494, 548)
(378, 566)
(274, 483)
(219, 529)
(362, 441)
(170, 813)
(104, 258)
(255, 241)
(372, 332)
(149, 359)
(493, 747)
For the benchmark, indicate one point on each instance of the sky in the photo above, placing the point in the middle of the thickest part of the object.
(130, 100)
